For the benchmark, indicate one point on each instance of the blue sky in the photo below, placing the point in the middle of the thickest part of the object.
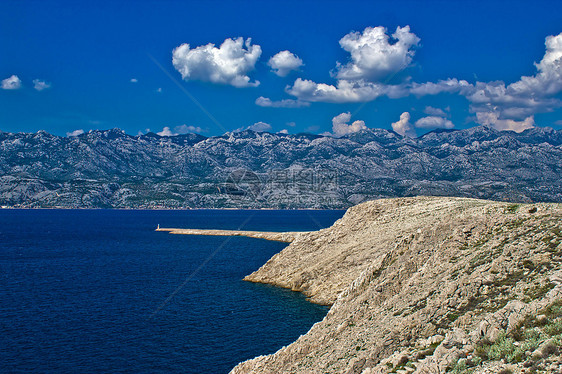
(68, 65)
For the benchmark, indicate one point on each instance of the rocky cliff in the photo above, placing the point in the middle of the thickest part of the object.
(426, 285)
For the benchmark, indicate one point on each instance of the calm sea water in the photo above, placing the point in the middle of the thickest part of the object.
(86, 291)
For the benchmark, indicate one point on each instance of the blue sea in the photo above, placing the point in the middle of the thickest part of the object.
(100, 291)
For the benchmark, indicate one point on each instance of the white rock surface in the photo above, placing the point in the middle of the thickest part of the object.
(416, 283)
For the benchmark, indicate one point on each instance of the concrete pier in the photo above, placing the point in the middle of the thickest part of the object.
(286, 237)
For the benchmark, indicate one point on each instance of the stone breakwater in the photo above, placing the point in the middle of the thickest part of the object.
(426, 285)
(286, 237)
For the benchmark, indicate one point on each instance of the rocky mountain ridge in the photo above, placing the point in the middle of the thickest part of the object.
(426, 285)
(263, 170)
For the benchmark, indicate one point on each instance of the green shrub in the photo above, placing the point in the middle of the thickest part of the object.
(554, 328)
(513, 208)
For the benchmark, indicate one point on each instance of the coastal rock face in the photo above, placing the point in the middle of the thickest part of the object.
(263, 170)
(426, 285)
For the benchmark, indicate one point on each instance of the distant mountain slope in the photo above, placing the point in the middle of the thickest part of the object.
(248, 169)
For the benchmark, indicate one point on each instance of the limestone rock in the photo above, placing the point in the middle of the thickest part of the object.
(419, 285)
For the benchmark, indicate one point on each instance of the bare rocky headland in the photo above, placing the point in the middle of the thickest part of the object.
(426, 285)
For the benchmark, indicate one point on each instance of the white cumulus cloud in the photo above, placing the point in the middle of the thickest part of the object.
(451, 85)
(228, 64)
(284, 62)
(41, 85)
(75, 133)
(374, 56)
(548, 79)
(11, 83)
(179, 130)
(343, 92)
(260, 127)
(403, 126)
(134, 80)
(434, 122)
(185, 129)
(340, 126)
(285, 103)
(492, 119)
(516, 102)
(166, 131)
(502, 98)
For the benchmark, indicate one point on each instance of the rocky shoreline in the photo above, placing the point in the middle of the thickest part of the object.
(426, 285)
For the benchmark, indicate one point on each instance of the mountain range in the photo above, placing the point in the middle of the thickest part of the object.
(247, 169)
